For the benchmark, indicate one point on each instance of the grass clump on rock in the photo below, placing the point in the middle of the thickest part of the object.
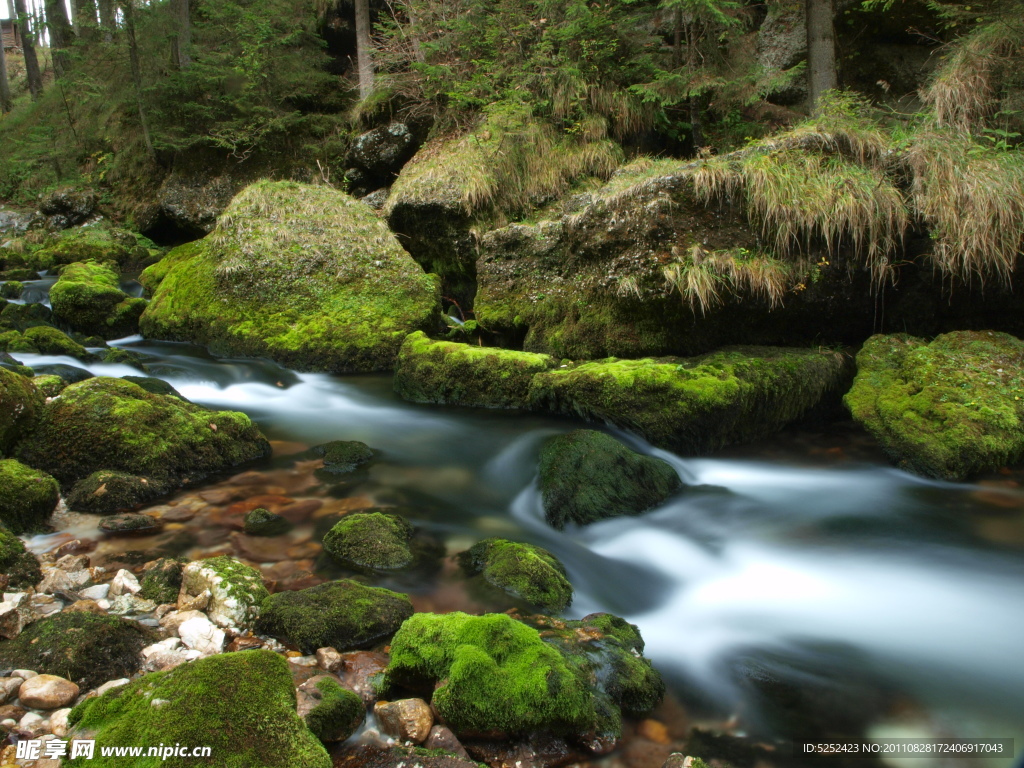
(586, 476)
(462, 374)
(522, 570)
(20, 566)
(949, 408)
(341, 614)
(241, 705)
(27, 497)
(86, 648)
(371, 541)
(304, 275)
(88, 297)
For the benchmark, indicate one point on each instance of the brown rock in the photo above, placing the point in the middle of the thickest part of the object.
(74, 547)
(642, 753)
(357, 669)
(47, 692)
(179, 515)
(300, 511)
(329, 659)
(73, 562)
(406, 719)
(85, 606)
(536, 752)
(261, 549)
(245, 644)
(653, 730)
(441, 737)
(12, 712)
(374, 756)
(217, 496)
(303, 551)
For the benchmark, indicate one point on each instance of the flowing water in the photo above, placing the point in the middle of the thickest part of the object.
(899, 597)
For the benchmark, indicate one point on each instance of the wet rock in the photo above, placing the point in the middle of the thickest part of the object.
(68, 207)
(331, 712)
(128, 604)
(29, 496)
(586, 476)
(59, 722)
(12, 711)
(343, 456)
(262, 522)
(442, 738)
(167, 654)
(536, 751)
(124, 582)
(328, 659)
(244, 644)
(95, 592)
(47, 692)
(56, 581)
(161, 582)
(341, 614)
(300, 511)
(106, 493)
(130, 523)
(236, 590)
(374, 756)
(524, 571)
(360, 670)
(405, 719)
(19, 565)
(12, 619)
(89, 299)
(371, 541)
(87, 606)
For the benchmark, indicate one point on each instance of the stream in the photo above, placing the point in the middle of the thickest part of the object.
(801, 562)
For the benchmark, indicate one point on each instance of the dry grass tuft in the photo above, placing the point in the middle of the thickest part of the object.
(702, 277)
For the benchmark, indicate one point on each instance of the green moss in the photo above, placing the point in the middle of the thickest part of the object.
(338, 714)
(19, 317)
(153, 275)
(20, 566)
(586, 476)
(85, 648)
(241, 705)
(341, 614)
(154, 385)
(699, 404)
(523, 570)
(462, 374)
(11, 290)
(238, 589)
(105, 492)
(20, 406)
(97, 244)
(304, 275)
(162, 582)
(950, 408)
(50, 341)
(89, 299)
(111, 424)
(49, 385)
(370, 541)
(262, 522)
(343, 456)
(28, 497)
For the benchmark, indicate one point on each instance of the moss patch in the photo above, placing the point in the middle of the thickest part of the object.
(462, 374)
(341, 614)
(162, 582)
(338, 714)
(696, 405)
(586, 476)
(950, 408)
(97, 244)
(85, 648)
(49, 385)
(106, 493)
(370, 541)
(88, 298)
(522, 570)
(343, 456)
(304, 275)
(262, 522)
(21, 566)
(20, 406)
(241, 705)
(111, 424)
(28, 497)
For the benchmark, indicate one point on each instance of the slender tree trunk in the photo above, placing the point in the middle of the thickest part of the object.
(821, 50)
(61, 35)
(32, 73)
(677, 40)
(414, 23)
(183, 39)
(364, 48)
(133, 57)
(5, 85)
(84, 19)
(107, 15)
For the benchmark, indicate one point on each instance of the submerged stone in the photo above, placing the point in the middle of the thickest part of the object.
(304, 275)
(522, 570)
(462, 374)
(262, 522)
(586, 476)
(343, 456)
(949, 408)
(27, 497)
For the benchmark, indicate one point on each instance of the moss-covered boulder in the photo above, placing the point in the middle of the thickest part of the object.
(46, 340)
(107, 492)
(240, 705)
(341, 614)
(371, 541)
(98, 244)
(162, 581)
(114, 425)
(304, 275)
(339, 713)
(949, 408)
(86, 648)
(20, 406)
(462, 374)
(524, 571)
(586, 476)
(700, 404)
(263, 522)
(89, 299)
(493, 673)
(154, 385)
(49, 385)
(236, 590)
(18, 317)
(11, 289)
(343, 456)
(27, 497)
(19, 565)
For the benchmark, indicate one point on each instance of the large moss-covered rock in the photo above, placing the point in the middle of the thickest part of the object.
(948, 408)
(18, 317)
(524, 571)
(462, 374)
(586, 476)
(700, 404)
(107, 493)
(111, 424)
(20, 406)
(86, 648)
(341, 614)
(99, 244)
(236, 590)
(46, 340)
(371, 541)
(89, 299)
(19, 565)
(305, 275)
(494, 673)
(240, 705)
(27, 497)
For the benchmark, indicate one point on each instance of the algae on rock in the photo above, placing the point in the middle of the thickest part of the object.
(88, 297)
(27, 497)
(462, 374)
(949, 408)
(236, 590)
(524, 571)
(305, 275)
(373, 541)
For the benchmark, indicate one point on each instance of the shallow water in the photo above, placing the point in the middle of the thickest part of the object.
(899, 597)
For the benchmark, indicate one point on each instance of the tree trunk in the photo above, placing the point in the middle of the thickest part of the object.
(85, 19)
(364, 48)
(61, 35)
(5, 85)
(821, 50)
(32, 73)
(414, 23)
(107, 16)
(183, 40)
(133, 57)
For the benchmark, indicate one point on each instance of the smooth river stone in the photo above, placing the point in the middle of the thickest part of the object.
(47, 692)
